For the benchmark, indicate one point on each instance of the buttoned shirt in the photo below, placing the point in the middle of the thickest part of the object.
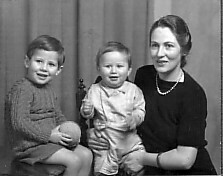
(113, 106)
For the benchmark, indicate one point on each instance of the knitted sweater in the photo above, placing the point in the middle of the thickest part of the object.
(31, 112)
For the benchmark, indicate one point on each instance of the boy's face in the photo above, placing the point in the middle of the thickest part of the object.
(114, 69)
(42, 66)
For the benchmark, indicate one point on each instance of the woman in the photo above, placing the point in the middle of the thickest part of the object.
(173, 132)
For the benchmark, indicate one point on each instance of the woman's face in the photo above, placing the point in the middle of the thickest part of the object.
(165, 52)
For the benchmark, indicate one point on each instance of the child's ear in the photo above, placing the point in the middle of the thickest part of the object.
(129, 71)
(59, 70)
(98, 69)
(26, 61)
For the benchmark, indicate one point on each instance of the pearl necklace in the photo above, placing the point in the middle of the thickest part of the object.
(164, 93)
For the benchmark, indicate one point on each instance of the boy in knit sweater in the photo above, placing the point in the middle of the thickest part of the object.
(33, 115)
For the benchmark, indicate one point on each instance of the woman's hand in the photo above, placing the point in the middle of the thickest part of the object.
(60, 138)
(96, 143)
(133, 162)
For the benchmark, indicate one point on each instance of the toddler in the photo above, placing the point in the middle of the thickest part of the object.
(117, 107)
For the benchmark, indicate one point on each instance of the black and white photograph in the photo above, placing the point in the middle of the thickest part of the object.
(111, 87)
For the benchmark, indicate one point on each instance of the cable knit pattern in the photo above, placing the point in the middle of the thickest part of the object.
(31, 112)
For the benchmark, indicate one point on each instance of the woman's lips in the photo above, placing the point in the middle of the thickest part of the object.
(162, 62)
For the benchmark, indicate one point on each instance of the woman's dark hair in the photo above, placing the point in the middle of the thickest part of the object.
(180, 29)
(47, 43)
(113, 46)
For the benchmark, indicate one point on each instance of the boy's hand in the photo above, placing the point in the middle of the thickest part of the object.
(60, 138)
(87, 107)
(131, 122)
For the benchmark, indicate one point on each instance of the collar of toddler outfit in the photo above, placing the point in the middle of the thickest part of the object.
(113, 92)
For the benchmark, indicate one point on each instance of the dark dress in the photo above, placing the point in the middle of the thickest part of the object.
(178, 118)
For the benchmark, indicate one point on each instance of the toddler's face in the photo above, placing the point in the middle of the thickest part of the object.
(114, 69)
(42, 66)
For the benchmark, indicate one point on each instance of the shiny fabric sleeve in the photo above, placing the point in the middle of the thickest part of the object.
(139, 106)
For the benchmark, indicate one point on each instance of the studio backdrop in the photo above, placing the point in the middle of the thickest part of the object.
(84, 25)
